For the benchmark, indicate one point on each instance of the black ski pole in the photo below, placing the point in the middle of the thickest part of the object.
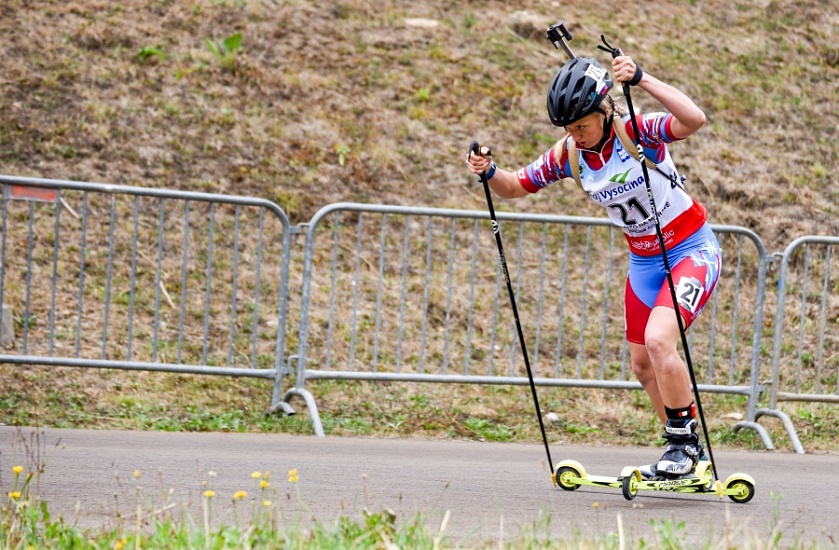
(496, 229)
(615, 53)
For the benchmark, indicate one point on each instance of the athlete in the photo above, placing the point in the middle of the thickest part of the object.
(579, 102)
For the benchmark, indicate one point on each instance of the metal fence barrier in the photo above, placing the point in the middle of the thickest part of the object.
(432, 277)
(120, 277)
(805, 356)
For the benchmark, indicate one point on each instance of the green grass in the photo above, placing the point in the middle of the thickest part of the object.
(93, 399)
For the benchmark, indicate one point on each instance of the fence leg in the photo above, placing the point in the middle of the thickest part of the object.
(764, 435)
(310, 404)
(793, 435)
(287, 409)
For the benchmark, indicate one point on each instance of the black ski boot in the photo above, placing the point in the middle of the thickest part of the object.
(684, 447)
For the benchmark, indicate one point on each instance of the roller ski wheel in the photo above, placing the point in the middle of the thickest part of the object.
(629, 484)
(740, 488)
(568, 475)
(564, 477)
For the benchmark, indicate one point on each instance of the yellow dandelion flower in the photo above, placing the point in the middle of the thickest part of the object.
(292, 476)
(209, 493)
(239, 495)
(14, 495)
(17, 470)
(264, 484)
(266, 503)
(256, 475)
(120, 544)
(137, 474)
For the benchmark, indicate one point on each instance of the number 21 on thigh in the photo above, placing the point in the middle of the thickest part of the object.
(689, 291)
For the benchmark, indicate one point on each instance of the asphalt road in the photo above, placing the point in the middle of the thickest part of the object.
(490, 491)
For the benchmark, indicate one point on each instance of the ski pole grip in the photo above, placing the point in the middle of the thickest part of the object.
(636, 78)
(475, 149)
(558, 34)
(615, 53)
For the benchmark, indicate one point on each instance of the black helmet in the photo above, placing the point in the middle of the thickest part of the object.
(577, 90)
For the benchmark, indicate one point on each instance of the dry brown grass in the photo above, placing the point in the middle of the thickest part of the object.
(402, 102)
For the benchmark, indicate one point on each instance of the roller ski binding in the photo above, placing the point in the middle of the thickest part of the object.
(684, 451)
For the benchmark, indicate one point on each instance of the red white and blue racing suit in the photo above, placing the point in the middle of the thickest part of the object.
(615, 180)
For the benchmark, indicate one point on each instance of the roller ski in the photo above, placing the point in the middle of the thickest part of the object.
(683, 468)
(570, 475)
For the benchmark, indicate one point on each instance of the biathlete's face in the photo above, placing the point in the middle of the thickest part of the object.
(587, 131)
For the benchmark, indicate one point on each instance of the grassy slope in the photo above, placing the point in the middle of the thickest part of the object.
(357, 101)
